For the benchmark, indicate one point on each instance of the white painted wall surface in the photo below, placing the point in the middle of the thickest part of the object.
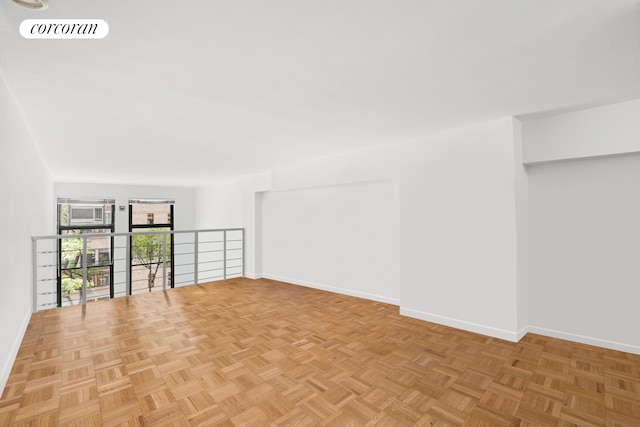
(522, 230)
(26, 190)
(218, 206)
(585, 251)
(601, 131)
(458, 230)
(184, 210)
(251, 188)
(341, 238)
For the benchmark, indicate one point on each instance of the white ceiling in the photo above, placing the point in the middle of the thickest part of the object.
(188, 92)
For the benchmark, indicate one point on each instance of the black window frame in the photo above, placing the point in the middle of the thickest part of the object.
(150, 226)
(111, 227)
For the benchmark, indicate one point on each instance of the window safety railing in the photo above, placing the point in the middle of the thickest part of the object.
(71, 269)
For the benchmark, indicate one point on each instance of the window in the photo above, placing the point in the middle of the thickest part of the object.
(151, 263)
(75, 218)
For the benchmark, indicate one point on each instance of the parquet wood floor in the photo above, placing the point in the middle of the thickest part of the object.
(259, 353)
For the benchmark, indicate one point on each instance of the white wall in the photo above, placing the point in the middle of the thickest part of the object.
(342, 238)
(521, 178)
(585, 251)
(458, 230)
(584, 226)
(455, 252)
(184, 210)
(218, 206)
(26, 190)
(250, 189)
(601, 131)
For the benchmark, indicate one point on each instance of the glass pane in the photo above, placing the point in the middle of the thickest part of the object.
(98, 266)
(82, 215)
(63, 214)
(98, 249)
(98, 285)
(147, 255)
(71, 252)
(71, 286)
(148, 214)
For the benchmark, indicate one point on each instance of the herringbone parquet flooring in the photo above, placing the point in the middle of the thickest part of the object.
(259, 353)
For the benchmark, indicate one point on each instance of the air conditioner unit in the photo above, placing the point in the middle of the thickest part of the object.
(86, 215)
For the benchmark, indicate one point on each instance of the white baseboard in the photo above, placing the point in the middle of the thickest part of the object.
(343, 291)
(521, 333)
(13, 352)
(612, 345)
(252, 276)
(513, 336)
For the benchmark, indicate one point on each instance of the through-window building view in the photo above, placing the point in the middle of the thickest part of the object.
(320, 213)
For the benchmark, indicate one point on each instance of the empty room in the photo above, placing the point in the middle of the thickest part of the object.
(345, 213)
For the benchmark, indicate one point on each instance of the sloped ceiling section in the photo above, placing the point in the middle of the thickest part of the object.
(189, 92)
